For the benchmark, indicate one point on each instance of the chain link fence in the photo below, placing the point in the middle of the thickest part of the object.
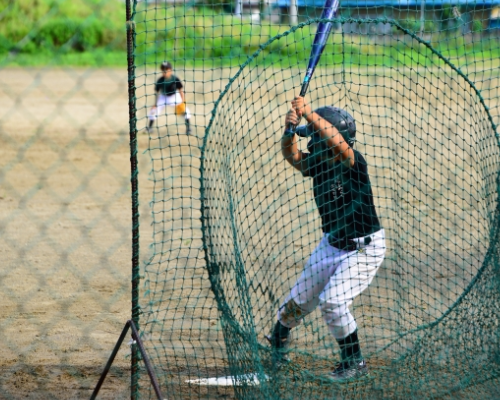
(65, 199)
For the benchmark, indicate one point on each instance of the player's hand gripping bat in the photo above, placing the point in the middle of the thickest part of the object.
(322, 33)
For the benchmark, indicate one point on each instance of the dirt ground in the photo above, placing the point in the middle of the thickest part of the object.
(66, 225)
(65, 219)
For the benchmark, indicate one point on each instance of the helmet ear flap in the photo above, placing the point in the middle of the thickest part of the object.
(351, 126)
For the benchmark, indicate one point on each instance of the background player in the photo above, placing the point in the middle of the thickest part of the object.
(353, 244)
(169, 93)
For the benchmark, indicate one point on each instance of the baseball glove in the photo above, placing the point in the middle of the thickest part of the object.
(180, 109)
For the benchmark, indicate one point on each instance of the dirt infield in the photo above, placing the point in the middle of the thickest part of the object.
(66, 232)
(65, 227)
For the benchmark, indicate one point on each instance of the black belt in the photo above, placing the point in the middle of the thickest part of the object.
(349, 244)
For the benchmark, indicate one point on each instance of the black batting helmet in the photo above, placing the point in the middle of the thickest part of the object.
(339, 118)
(165, 65)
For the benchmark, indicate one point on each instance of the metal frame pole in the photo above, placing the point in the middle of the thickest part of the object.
(293, 12)
(422, 18)
(134, 386)
(142, 350)
(110, 361)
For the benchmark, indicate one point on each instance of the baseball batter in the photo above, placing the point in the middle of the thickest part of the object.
(169, 92)
(352, 249)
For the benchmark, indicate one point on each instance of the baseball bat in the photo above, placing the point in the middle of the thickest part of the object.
(324, 28)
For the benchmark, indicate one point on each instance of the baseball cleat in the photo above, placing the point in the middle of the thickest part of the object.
(279, 356)
(347, 370)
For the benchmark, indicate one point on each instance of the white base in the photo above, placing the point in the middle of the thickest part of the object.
(250, 379)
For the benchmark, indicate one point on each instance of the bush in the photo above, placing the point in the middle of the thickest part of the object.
(90, 34)
(55, 33)
(411, 24)
(477, 26)
(430, 26)
(5, 45)
(72, 25)
(75, 34)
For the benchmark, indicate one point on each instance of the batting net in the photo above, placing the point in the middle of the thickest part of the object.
(234, 224)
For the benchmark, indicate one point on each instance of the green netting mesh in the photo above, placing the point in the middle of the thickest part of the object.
(235, 225)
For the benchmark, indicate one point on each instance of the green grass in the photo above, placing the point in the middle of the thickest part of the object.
(62, 32)
(92, 33)
(93, 58)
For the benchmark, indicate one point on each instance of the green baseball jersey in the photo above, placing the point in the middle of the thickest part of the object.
(343, 196)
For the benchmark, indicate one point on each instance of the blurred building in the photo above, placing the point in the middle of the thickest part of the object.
(424, 15)
(442, 15)
(256, 9)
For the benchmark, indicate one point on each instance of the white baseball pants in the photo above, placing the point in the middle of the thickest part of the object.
(332, 278)
(163, 101)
